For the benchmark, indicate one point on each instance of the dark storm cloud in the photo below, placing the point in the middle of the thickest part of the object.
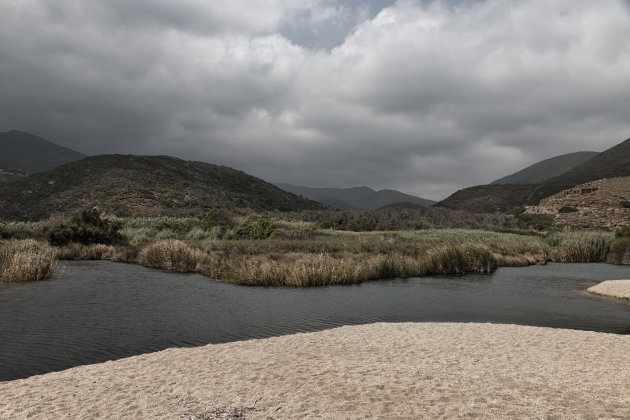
(422, 96)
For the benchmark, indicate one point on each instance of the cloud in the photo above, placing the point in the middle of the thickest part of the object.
(427, 97)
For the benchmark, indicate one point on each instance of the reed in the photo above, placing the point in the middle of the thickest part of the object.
(26, 260)
(172, 255)
(581, 246)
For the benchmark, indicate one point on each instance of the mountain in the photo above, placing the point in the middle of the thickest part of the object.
(355, 197)
(546, 169)
(24, 152)
(611, 163)
(129, 185)
(488, 198)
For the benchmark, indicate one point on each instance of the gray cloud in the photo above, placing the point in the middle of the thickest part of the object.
(422, 96)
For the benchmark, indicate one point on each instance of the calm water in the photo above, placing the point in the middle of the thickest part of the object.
(98, 311)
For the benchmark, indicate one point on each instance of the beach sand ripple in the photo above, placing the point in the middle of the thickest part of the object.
(406, 370)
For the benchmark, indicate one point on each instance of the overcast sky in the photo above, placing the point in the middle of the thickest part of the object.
(422, 96)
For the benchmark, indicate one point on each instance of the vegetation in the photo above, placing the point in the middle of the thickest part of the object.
(567, 209)
(87, 228)
(128, 185)
(625, 204)
(25, 260)
(304, 249)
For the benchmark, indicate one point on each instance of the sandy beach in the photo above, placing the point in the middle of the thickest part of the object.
(612, 288)
(407, 370)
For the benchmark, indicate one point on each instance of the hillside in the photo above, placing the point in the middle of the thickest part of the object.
(611, 163)
(614, 162)
(24, 152)
(546, 169)
(141, 185)
(488, 198)
(355, 197)
(602, 203)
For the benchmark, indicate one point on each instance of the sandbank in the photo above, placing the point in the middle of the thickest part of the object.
(613, 288)
(402, 370)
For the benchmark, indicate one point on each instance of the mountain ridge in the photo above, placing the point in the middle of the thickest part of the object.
(26, 152)
(132, 185)
(355, 197)
(546, 169)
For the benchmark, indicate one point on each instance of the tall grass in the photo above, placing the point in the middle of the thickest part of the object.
(172, 255)
(25, 260)
(580, 247)
(299, 269)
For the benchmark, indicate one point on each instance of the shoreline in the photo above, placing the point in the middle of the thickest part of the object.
(406, 370)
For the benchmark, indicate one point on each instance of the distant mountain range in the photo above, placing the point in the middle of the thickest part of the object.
(547, 169)
(614, 162)
(355, 197)
(141, 186)
(152, 185)
(26, 153)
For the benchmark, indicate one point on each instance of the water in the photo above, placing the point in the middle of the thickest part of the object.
(98, 311)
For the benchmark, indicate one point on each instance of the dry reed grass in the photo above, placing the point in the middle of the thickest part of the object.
(26, 260)
(172, 255)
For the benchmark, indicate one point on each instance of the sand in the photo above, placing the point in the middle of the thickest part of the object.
(613, 288)
(422, 370)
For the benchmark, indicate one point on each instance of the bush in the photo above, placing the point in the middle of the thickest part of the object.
(567, 209)
(536, 221)
(87, 228)
(25, 260)
(515, 211)
(619, 251)
(623, 232)
(625, 204)
(257, 228)
(217, 217)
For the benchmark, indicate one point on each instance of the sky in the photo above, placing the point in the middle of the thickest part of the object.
(426, 97)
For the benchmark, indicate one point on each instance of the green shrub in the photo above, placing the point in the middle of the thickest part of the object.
(87, 228)
(625, 204)
(217, 217)
(261, 227)
(536, 221)
(515, 211)
(623, 232)
(619, 251)
(567, 209)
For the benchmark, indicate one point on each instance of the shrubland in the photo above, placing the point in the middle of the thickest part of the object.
(317, 247)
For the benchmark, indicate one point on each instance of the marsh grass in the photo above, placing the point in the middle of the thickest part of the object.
(297, 253)
(26, 260)
(580, 247)
(172, 255)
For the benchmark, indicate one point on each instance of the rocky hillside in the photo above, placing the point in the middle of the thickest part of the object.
(611, 163)
(141, 185)
(602, 203)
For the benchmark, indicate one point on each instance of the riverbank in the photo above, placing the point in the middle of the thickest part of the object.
(424, 370)
(613, 288)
